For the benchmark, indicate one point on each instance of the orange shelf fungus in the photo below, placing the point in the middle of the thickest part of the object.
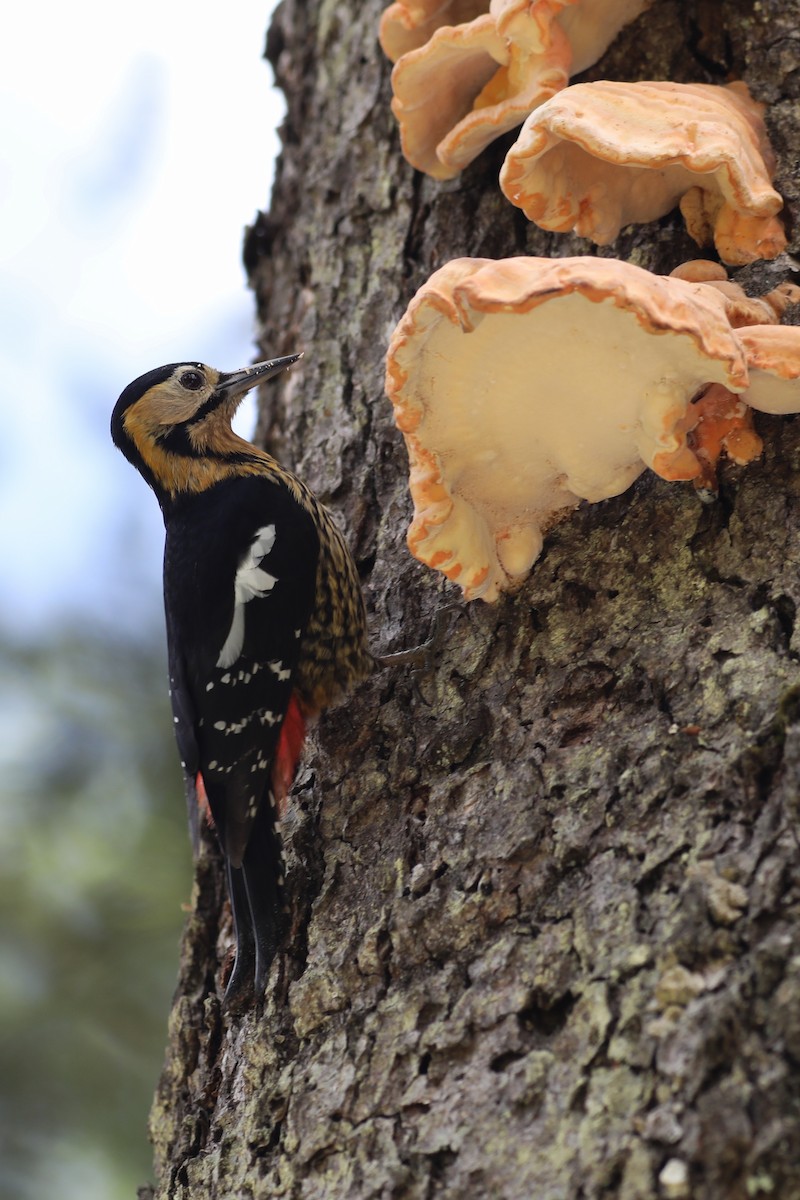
(773, 353)
(723, 425)
(525, 385)
(465, 87)
(598, 156)
(741, 309)
(408, 24)
(723, 421)
(457, 86)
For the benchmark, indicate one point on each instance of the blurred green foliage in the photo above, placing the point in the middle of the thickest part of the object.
(94, 868)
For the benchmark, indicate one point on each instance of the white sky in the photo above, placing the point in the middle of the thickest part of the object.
(136, 142)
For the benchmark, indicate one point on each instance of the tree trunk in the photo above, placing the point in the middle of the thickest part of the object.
(545, 913)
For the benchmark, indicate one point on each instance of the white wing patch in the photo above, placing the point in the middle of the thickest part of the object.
(250, 582)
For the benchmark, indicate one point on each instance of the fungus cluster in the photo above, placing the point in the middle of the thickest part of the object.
(590, 157)
(525, 385)
(468, 70)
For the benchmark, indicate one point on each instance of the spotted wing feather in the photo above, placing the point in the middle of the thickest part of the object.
(241, 605)
(185, 722)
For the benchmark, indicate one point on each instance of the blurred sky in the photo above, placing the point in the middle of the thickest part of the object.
(136, 142)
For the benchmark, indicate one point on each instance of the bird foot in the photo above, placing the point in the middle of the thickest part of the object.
(422, 657)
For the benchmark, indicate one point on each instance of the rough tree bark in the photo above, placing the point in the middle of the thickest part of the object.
(545, 909)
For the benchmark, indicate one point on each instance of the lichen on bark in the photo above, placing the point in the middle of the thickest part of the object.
(545, 915)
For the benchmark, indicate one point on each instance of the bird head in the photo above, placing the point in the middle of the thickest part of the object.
(176, 416)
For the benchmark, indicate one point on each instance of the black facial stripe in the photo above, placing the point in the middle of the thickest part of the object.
(176, 439)
(205, 408)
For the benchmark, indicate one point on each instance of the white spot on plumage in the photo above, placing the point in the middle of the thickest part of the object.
(278, 669)
(212, 766)
(226, 677)
(260, 714)
(209, 686)
(251, 582)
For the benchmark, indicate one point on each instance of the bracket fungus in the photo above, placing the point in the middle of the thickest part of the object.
(525, 385)
(408, 24)
(740, 308)
(723, 421)
(598, 156)
(458, 86)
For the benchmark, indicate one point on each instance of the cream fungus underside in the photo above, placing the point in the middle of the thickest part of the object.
(526, 385)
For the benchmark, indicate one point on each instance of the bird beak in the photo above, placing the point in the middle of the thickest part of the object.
(236, 383)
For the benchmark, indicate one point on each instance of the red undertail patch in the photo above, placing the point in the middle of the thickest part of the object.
(287, 754)
(204, 808)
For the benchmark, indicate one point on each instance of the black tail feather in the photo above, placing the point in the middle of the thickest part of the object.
(240, 984)
(263, 869)
(257, 903)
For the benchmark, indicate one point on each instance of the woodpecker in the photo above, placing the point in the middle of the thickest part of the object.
(265, 623)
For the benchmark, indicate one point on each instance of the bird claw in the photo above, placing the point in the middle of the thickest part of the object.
(422, 657)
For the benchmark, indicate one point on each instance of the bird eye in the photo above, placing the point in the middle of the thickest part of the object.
(192, 380)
